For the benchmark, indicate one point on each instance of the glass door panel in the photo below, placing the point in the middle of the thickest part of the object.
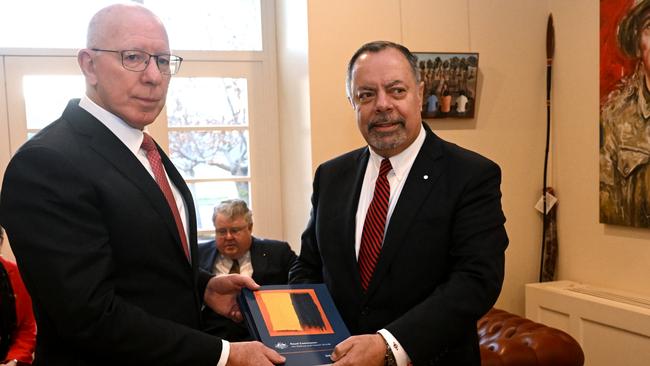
(210, 120)
(38, 89)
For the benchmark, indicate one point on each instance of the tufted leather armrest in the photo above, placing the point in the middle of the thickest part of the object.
(507, 339)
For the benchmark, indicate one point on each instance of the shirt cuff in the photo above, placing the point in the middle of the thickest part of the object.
(225, 352)
(401, 358)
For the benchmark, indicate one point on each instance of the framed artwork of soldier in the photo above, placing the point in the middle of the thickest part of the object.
(624, 113)
(449, 84)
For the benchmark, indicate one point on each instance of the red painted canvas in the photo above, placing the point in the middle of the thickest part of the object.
(613, 64)
(625, 113)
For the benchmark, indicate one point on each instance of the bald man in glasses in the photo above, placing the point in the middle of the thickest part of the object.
(104, 227)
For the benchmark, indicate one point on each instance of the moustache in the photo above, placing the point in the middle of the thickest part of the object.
(383, 120)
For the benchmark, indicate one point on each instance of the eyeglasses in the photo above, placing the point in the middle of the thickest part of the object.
(135, 60)
(232, 230)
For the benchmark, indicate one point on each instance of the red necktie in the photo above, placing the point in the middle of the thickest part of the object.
(373, 227)
(149, 146)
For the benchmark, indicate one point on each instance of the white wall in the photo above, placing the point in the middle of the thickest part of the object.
(294, 110)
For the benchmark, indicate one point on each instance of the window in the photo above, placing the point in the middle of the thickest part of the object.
(41, 105)
(209, 140)
(38, 88)
(220, 124)
(217, 25)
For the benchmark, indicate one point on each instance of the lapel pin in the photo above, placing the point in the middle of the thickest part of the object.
(426, 177)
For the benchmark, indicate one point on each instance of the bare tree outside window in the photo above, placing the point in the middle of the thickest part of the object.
(208, 137)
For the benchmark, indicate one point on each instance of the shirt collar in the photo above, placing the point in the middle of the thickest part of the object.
(131, 137)
(643, 96)
(228, 262)
(403, 161)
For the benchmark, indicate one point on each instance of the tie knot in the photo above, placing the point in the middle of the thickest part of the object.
(148, 144)
(385, 167)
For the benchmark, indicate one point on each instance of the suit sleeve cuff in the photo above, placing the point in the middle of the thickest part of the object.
(401, 357)
(225, 352)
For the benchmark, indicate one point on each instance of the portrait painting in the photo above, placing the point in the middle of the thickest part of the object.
(624, 148)
(449, 84)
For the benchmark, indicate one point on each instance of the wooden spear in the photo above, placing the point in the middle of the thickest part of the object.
(549, 231)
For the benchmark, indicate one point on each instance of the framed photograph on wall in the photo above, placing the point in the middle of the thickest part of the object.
(449, 84)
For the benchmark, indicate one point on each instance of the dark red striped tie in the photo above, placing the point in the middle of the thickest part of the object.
(161, 178)
(373, 228)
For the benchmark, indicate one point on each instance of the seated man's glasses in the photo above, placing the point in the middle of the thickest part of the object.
(135, 60)
(233, 231)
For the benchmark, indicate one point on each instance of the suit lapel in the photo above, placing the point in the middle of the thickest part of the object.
(214, 255)
(259, 261)
(182, 187)
(107, 145)
(422, 178)
(351, 196)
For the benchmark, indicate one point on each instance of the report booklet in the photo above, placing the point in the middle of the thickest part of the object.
(300, 322)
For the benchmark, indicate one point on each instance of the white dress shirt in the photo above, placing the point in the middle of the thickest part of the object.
(401, 164)
(223, 264)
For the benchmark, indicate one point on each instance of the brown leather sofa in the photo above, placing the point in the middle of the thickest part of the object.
(507, 339)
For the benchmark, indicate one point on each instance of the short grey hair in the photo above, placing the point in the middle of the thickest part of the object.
(377, 46)
(2, 235)
(231, 209)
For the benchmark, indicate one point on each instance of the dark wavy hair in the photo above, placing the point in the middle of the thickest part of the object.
(629, 28)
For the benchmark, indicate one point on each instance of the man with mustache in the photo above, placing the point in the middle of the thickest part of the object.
(103, 226)
(407, 233)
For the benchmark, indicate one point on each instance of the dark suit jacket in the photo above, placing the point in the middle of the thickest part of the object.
(442, 262)
(271, 260)
(99, 251)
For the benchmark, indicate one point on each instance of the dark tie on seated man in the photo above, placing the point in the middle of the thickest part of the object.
(236, 250)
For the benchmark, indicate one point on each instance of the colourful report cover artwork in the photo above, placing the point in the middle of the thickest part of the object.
(300, 322)
(292, 312)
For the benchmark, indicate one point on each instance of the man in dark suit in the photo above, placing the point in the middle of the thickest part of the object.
(103, 226)
(422, 215)
(236, 250)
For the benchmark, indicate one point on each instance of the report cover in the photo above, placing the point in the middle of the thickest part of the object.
(298, 321)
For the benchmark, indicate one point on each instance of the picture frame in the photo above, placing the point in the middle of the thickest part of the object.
(450, 80)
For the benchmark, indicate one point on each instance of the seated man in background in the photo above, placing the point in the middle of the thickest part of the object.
(235, 250)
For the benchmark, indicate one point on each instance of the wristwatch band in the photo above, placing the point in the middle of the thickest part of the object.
(389, 357)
